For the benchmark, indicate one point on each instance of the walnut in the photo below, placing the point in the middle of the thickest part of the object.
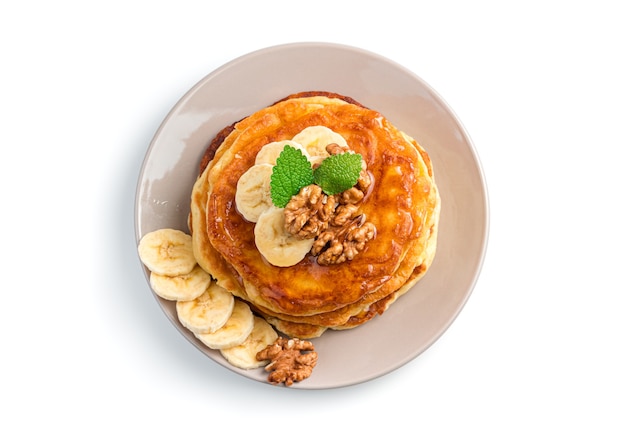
(364, 181)
(288, 363)
(339, 244)
(308, 213)
(351, 196)
(344, 213)
(327, 244)
(335, 149)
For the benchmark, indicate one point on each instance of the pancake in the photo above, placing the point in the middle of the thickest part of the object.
(304, 299)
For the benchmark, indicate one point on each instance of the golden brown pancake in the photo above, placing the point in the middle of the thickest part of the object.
(307, 298)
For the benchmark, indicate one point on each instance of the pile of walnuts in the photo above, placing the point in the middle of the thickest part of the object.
(334, 221)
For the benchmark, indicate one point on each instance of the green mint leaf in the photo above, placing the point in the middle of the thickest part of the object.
(338, 172)
(291, 173)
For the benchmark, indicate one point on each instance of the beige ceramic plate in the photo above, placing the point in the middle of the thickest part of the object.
(258, 79)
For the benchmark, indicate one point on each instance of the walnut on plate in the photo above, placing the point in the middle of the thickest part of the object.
(291, 360)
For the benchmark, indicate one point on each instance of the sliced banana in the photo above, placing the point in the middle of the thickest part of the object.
(235, 330)
(271, 151)
(207, 313)
(253, 195)
(167, 252)
(314, 139)
(278, 246)
(185, 287)
(243, 355)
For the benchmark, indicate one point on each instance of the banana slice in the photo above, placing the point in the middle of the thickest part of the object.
(243, 356)
(185, 287)
(271, 151)
(314, 139)
(235, 330)
(207, 313)
(253, 196)
(167, 252)
(278, 246)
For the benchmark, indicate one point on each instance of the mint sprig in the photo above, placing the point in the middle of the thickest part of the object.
(293, 171)
(338, 172)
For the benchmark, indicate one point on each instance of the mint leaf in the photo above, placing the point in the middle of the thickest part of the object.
(338, 172)
(291, 173)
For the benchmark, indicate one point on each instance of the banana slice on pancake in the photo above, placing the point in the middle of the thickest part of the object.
(253, 195)
(278, 246)
(268, 153)
(315, 138)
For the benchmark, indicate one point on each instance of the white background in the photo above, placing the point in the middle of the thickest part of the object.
(540, 87)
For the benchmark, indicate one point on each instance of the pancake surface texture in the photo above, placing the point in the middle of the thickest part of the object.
(304, 299)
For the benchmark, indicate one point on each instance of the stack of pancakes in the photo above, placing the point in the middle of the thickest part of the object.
(307, 298)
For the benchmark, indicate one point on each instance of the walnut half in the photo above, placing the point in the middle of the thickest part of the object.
(339, 244)
(288, 363)
(308, 213)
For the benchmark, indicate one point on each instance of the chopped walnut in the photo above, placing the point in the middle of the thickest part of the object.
(339, 244)
(288, 363)
(308, 213)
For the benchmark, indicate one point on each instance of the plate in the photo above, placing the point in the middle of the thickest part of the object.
(258, 79)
